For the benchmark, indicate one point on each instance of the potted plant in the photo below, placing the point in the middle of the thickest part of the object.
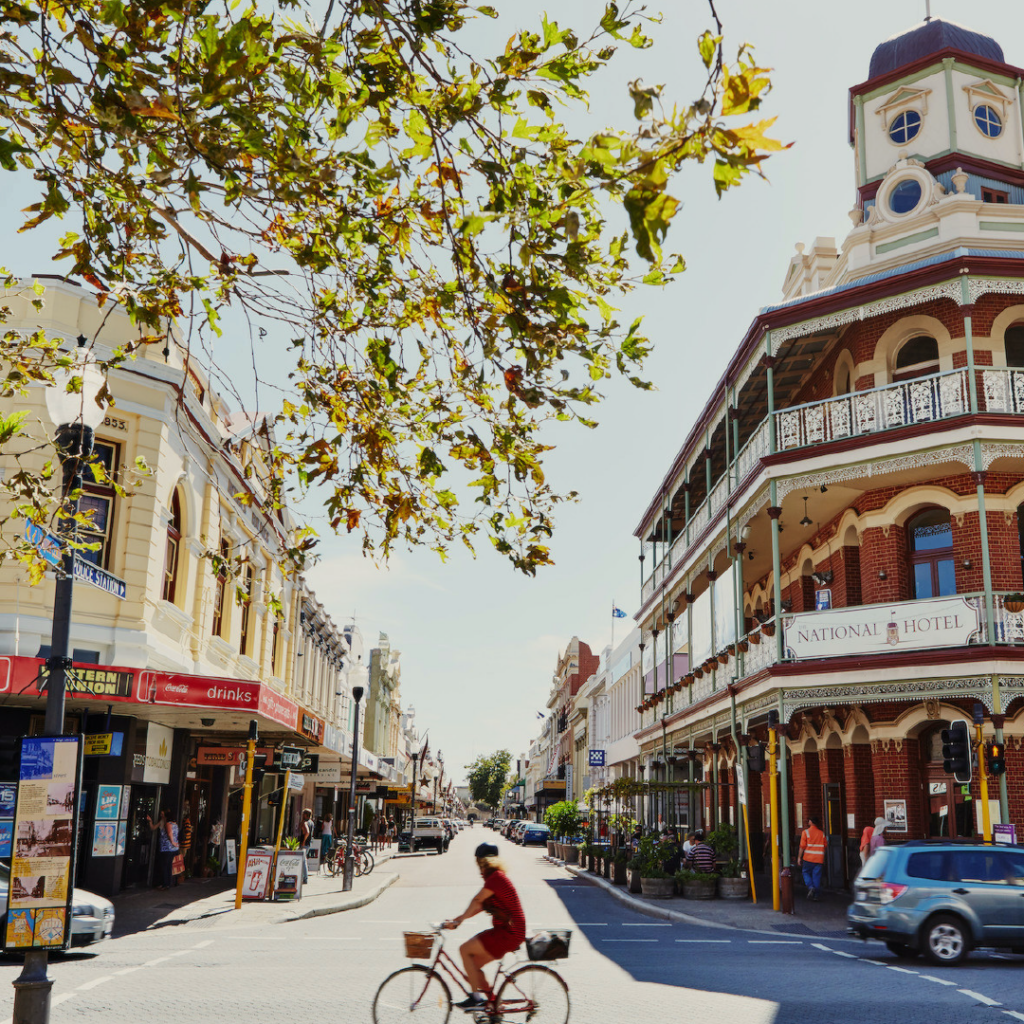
(633, 869)
(654, 879)
(725, 841)
(697, 885)
(212, 868)
(563, 819)
(723, 657)
(768, 628)
(1014, 603)
(619, 869)
(754, 637)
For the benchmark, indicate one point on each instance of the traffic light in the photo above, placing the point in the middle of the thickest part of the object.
(956, 752)
(755, 758)
(996, 758)
(274, 797)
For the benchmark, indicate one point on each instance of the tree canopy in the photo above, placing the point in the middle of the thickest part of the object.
(487, 777)
(412, 217)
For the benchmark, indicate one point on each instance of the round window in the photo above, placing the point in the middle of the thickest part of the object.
(988, 121)
(904, 126)
(905, 196)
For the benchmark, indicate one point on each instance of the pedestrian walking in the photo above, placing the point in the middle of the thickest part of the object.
(306, 828)
(865, 843)
(392, 831)
(812, 857)
(877, 837)
(169, 849)
(326, 836)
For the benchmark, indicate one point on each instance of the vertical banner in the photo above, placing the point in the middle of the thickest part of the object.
(45, 826)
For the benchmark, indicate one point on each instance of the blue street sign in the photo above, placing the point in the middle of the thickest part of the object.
(596, 759)
(86, 572)
(45, 543)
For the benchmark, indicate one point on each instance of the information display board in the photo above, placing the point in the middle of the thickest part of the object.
(44, 828)
(256, 880)
(290, 875)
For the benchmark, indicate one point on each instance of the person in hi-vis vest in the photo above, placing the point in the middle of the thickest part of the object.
(812, 857)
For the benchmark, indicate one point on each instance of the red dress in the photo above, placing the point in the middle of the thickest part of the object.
(507, 918)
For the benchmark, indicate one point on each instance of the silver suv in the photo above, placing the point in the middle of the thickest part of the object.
(942, 899)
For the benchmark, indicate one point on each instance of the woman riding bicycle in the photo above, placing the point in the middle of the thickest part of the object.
(499, 898)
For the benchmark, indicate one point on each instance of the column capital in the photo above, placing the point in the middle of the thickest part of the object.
(711, 575)
(967, 310)
(979, 476)
(768, 362)
(774, 511)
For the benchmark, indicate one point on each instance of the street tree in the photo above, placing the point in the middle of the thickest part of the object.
(487, 777)
(405, 214)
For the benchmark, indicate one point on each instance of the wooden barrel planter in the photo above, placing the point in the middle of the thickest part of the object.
(551, 848)
(700, 890)
(733, 888)
(634, 881)
(658, 888)
(619, 874)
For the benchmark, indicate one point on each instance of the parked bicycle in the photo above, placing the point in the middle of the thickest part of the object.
(334, 862)
(532, 992)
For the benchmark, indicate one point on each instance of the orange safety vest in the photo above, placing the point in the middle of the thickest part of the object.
(812, 845)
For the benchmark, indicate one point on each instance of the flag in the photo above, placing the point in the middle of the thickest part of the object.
(540, 714)
(618, 613)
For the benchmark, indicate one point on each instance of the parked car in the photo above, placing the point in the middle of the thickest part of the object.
(92, 916)
(535, 832)
(942, 899)
(426, 832)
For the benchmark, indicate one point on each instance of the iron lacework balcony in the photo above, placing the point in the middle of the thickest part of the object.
(761, 650)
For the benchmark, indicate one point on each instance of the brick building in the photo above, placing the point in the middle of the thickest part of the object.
(836, 537)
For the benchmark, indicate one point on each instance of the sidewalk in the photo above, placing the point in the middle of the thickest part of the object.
(825, 919)
(212, 900)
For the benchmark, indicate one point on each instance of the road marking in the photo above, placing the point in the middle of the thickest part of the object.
(774, 942)
(850, 956)
(128, 970)
(938, 981)
(703, 940)
(646, 924)
(901, 970)
(1014, 1013)
(203, 944)
(591, 924)
(95, 981)
(629, 940)
(158, 960)
(877, 963)
(979, 997)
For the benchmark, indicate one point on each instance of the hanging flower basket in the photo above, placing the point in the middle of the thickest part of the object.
(768, 628)
(1014, 603)
(698, 673)
(688, 679)
(723, 658)
(754, 638)
(743, 646)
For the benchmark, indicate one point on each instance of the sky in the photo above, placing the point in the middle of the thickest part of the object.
(480, 642)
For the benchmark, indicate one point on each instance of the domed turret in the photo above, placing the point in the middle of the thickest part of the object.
(930, 37)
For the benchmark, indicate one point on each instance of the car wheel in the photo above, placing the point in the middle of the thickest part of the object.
(902, 950)
(946, 940)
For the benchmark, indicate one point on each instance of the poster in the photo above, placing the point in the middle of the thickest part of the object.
(108, 800)
(232, 857)
(896, 815)
(104, 839)
(290, 875)
(8, 795)
(40, 840)
(122, 837)
(313, 856)
(126, 799)
(256, 880)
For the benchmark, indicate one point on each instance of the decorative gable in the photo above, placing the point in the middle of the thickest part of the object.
(988, 93)
(903, 99)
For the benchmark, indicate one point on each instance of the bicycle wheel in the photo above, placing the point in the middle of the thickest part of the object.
(368, 862)
(534, 993)
(413, 992)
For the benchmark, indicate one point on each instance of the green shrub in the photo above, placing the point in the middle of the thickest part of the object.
(694, 876)
(563, 818)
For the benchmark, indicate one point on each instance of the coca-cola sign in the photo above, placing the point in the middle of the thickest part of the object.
(199, 691)
(276, 707)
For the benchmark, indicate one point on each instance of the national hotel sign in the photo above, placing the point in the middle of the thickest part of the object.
(874, 629)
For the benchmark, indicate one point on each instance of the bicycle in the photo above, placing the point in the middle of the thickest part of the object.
(334, 862)
(533, 992)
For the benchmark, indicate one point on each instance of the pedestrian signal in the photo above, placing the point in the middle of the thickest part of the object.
(996, 758)
(956, 752)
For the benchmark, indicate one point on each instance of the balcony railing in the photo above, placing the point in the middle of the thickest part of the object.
(922, 400)
(1003, 390)
(751, 453)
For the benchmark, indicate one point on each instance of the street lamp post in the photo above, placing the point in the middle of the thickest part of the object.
(349, 871)
(76, 414)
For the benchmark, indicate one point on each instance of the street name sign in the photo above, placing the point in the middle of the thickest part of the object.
(86, 572)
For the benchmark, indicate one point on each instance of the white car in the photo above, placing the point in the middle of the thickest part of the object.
(92, 916)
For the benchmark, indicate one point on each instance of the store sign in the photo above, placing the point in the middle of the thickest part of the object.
(227, 755)
(329, 774)
(310, 726)
(276, 707)
(596, 759)
(199, 691)
(98, 743)
(159, 740)
(939, 622)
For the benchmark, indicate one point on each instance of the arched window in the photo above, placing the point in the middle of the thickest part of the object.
(1014, 343)
(930, 535)
(843, 383)
(171, 552)
(917, 358)
(220, 587)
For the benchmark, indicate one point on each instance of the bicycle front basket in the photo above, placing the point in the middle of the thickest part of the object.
(419, 945)
(549, 945)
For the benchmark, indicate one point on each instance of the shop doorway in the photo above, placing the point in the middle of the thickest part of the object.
(197, 805)
(835, 835)
(139, 845)
(950, 811)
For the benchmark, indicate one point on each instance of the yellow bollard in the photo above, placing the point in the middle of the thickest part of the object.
(243, 846)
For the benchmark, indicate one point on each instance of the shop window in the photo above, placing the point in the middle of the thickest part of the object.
(98, 498)
(917, 358)
(244, 642)
(172, 551)
(220, 591)
(1013, 342)
(931, 554)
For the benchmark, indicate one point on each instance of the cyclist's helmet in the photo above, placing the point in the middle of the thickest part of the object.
(486, 850)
